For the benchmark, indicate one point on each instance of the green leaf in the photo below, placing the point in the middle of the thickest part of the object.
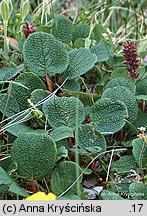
(7, 73)
(19, 129)
(130, 128)
(108, 116)
(98, 31)
(121, 187)
(61, 133)
(141, 120)
(25, 9)
(10, 6)
(86, 98)
(120, 93)
(64, 176)
(121, 81)
(141, 87)
(93, 149)
(40, 131)
(35, 155)
(62, 111)
(86, 150)
(80, 42)
(141, 97)
(81, 31)
(140, 152)
(145, 179)
(62, 143)
(142, 72)
(125, 164)
(5, 163)
(127, 143)
(80, 61)
(3, 190)
(118, 62)
(4, 9)
(109, 195)
(62, 152)
(88, 137)
(12, 168)
(43, 28)
(4, 177)
(13, 186)
(120, 72)
(43, 53)
(72, 85)
(138, 191)
(21, 94)
(62, 29)
(103, 51)
(8, 105)
(38, 95)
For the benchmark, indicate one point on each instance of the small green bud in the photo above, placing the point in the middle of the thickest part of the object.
(25, 9)
(4, 10)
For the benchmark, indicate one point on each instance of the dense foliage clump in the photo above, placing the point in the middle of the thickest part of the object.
(73, 92)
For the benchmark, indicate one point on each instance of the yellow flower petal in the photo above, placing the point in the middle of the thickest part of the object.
(42, 196)
(37, 196)
(51, 196)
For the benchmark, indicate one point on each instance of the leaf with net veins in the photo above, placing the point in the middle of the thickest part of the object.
(44, 53)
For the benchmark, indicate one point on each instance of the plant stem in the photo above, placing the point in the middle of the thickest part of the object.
(70, 142)
(34, 186)
(121, 134)
(6, 49)
(141, 157)
(77, 154)
(49, 83)
(43, 11)
(143, 106)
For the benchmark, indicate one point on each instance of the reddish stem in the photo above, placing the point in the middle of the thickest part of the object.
(49, 83)
(70, 142)
(121, 138)
(34, 186)
(59, 80)
(143, 106)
